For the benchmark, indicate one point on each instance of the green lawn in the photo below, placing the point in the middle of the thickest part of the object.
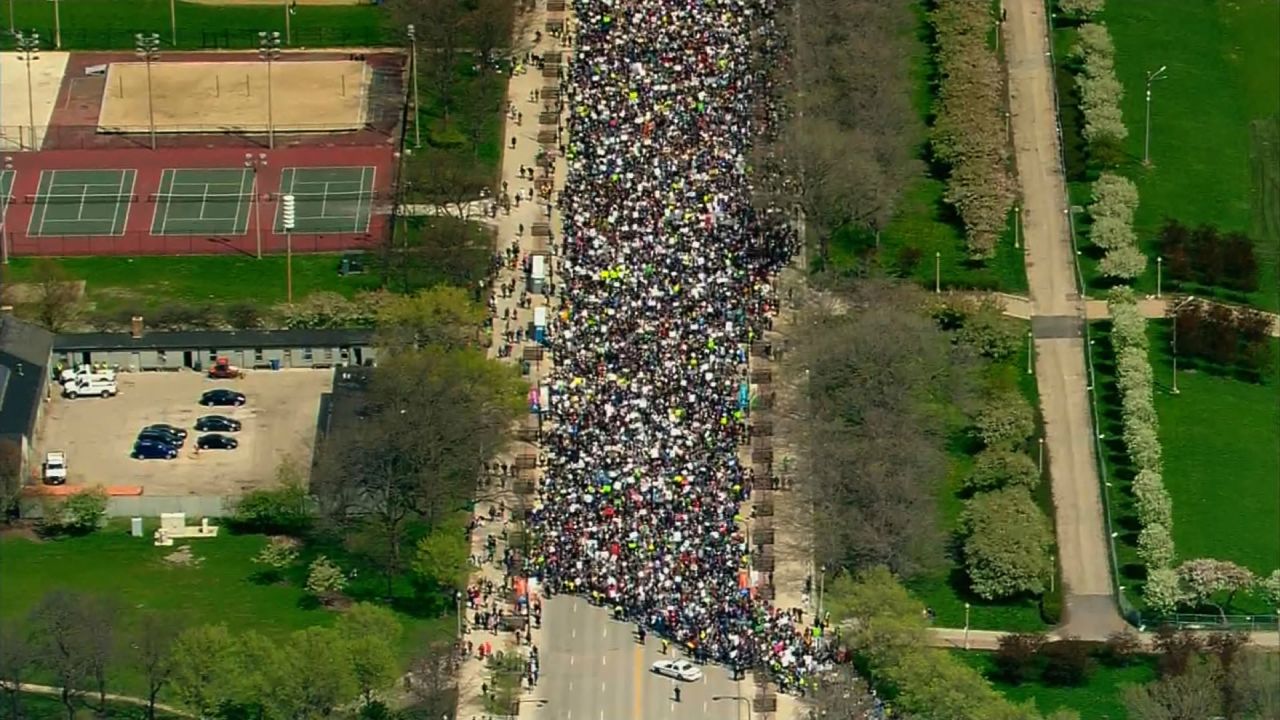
(219, 588)
(947, 592)
(149, 281)
(1098, 699)
(49, 707)
(1223, 61)
(100, 24)
(1221, 465)
(1221, 441)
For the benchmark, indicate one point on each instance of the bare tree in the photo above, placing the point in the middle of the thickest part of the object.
(10, 478)
(432, 681)
(99, 617)
(440, 26)
(16, 659)
(152, 654)
(62, 644)
(56, 295)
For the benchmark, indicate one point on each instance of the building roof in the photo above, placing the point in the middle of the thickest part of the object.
(24, 360)
(213, 339)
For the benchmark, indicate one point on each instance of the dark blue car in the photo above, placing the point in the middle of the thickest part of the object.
(153, 450)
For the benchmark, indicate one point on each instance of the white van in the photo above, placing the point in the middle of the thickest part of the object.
(86, 372)
(90, 386)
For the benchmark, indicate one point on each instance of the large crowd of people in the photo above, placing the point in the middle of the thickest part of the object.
(665, 276)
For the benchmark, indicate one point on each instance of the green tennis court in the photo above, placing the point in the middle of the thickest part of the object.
(81, 202)
(203, 201)
(6, 187)
(327, 199)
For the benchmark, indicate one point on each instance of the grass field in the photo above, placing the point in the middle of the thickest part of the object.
(947, 592)
(1098, 699)
(1221, 466)
(49, 707)
(219, 588)
(100, 25)
(1211, 119)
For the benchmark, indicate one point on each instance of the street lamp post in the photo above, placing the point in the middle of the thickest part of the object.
(253, 164)
(413, 72)
(148, 49)
(937, 272)
(1017, 227)
(738, 699)
(966, 626)
(57, 25)
(1031, 351)
(458, 607)
(1152, 76)
(173, 23)
(28, 45)
(1159, 273)
(269, 50)
(1176, 309)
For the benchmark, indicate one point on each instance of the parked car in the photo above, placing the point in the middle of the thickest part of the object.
(85, 372)
(55, 467)
(217, 423)
(214, 441)
(678, 669)
(161, 436)
(222, 396)
(152, 450)
(181, 433)
(92, 386)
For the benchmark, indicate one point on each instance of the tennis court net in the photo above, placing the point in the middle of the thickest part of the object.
(200, 198)
(79, 199)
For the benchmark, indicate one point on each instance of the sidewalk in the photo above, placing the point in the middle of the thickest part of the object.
(473, 673)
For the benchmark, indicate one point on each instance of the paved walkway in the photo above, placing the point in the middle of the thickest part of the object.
(1020, 306)
(1089, 607)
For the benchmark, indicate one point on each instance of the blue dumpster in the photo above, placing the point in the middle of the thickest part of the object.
(275, 364)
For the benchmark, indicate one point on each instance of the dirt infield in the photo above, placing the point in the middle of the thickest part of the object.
(314, 95)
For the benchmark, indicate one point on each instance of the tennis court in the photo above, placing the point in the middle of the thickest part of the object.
(81, 202)
(327, 199)
(6, 185)
(203, 201)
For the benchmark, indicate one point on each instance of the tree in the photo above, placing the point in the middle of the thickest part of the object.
(1081, 8)
(1017, 656)
(1006, 420)
(251, 686)
(314, 676)
(98, 616)
(1177, 648)
(1067, 663)
(325, 579)
(1122, 647)
(981, 326)
(432, 679)
(278, 555)
(203, 661)
(443, 316)
(17, 656)
(1007, 543)
(284, 510)
(1163, 592)
(440, 26)
(152, 654)
(1271, 587)
(1191, 694)
(57, 296)
(1125, 262)
(839, 693)
(62, 644)
(79, 514)
(1155, 545)
(1205, 577)
(885, 621)
(443, 557)
(10, 478)
(995, 468)
(372, 634)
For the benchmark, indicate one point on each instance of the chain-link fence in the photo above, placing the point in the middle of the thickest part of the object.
(227, 38)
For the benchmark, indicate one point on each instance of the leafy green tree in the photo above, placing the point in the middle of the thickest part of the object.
(1163, 591)
(885, 621)
(1006, 420)
(249, 687)
(443, 315)
(1206, 578)
(1081, 8)
(285, 510)
(314, 676)
(203, 660)
(1155, 545)
(443, 557)
(1125, 262)
(1007, 543)
(994, 468)
(372, 634)
(79, 514)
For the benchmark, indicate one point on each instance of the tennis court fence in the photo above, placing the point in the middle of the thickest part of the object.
(377, 197)
(379, 126)
(220, 39)
(143, 243)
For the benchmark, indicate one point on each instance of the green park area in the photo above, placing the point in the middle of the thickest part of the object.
(1215, 127)
(1221, 463)
(99, 24)
(1097, 698)
(947, 591)
(216, 583)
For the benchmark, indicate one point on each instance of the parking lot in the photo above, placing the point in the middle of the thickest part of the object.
(279, 420)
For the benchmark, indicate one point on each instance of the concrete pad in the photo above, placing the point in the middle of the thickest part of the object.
(312, 95)
(21, 111)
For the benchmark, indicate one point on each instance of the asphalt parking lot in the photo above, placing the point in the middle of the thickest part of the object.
(279, 420)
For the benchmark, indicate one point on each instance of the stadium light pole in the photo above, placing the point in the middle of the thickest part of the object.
(288, 215)
(148, 50)
(1152, 76)
(1177, 308)
(413, 72)
(173, 23)
(57, 25)
(269, 50)
(28, 45)
(254, 163)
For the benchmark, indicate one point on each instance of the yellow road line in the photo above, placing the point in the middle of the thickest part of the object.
(637, 699)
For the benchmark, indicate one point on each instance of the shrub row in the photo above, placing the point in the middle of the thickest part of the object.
(1100, 90)
(1115, 200)
(1141, 434)
(968, 131)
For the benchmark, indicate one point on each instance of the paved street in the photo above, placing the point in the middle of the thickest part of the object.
(592, 668)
